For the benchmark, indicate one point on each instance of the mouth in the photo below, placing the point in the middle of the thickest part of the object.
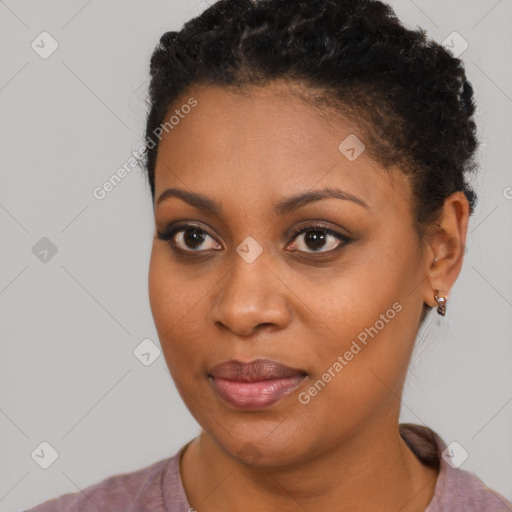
(254, 385)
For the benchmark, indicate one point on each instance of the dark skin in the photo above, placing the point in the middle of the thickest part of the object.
(297, 303)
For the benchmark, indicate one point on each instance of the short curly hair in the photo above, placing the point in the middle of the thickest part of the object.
(408, 94)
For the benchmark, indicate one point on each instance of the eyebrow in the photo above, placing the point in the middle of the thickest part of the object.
(208, 205)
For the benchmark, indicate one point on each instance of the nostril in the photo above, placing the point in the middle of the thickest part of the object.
(263, 324)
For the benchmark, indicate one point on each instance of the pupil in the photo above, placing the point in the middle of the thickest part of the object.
(193, 238)
(317, 238)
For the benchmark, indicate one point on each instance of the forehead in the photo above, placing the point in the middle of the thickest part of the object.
(264, 143)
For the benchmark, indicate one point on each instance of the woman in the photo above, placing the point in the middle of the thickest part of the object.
(308, 166)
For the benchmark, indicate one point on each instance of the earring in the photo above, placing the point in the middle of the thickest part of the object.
(441, 299)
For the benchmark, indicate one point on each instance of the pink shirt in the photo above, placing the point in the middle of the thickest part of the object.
(159, 488)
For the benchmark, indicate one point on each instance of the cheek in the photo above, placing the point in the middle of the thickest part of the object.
(359, 372)
(368, 322)
(159, 289)
(172, 295)
(176, 305)
(166, 299)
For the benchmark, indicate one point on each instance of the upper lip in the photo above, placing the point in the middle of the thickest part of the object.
(254, 371)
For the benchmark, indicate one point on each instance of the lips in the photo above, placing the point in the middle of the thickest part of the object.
(254, 385)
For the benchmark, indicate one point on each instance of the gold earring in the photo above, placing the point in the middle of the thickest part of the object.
(441, 299)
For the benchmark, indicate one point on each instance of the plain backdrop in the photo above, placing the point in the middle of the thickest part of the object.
(73, 275)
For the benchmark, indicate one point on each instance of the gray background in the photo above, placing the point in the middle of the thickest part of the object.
(70, 325)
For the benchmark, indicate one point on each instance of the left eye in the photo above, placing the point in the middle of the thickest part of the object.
(319, 237)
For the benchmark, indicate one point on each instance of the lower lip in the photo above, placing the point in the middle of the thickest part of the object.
(255, 395)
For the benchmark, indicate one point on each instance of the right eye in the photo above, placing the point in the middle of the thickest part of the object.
(188, 238)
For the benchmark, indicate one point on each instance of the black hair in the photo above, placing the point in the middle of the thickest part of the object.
(408, 94)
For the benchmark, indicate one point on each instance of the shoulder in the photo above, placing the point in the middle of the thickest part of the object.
(463, 491)
(136, 490)
(457, 490)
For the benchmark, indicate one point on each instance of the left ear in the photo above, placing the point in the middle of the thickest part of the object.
(447, 239)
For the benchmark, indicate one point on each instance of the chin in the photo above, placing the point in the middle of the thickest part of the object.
(262, 446)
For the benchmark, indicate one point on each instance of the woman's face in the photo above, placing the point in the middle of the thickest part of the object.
(342, 306)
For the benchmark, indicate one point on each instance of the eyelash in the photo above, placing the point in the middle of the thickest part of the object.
(172, 230)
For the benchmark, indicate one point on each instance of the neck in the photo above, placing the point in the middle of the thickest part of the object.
(374, 469)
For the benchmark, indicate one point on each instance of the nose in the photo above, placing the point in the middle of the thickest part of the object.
(250, 297)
